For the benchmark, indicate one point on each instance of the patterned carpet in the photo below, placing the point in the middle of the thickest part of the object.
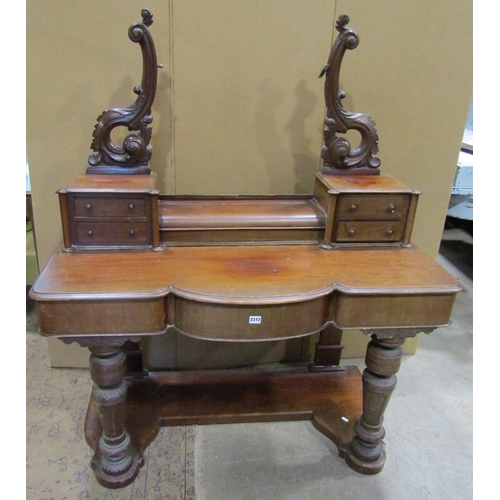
(57, 456)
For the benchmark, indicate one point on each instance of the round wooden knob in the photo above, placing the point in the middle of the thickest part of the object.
(353, 207)
(131, 232)
(389, 232)
(90, 232)
(351, 232)
(391, 208)
(131, 206)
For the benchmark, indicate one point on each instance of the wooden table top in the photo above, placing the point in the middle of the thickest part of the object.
(241, 274)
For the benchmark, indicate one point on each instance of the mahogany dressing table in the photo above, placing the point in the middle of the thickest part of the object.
(135, 263)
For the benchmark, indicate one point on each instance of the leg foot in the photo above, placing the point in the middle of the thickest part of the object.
(116, 474)
(363, 466)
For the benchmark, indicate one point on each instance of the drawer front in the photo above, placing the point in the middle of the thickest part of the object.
(373, 207)
(104, 206)
(236, 322)
(369, 231)
(102, 233)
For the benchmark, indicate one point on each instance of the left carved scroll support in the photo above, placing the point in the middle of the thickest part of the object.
(133, 156)
(339, 158)
(366, 453)
(116, 461)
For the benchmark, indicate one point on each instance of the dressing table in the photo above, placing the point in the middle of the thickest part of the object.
(134, 263)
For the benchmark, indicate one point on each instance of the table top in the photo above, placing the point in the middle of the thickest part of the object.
(111, 183)
(241, 274)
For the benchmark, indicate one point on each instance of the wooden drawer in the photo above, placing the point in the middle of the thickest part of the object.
(369, 231)
(373, 207)
(365, 209)
(102, 233)
(106, 206)
(237, 322)
(115, 211)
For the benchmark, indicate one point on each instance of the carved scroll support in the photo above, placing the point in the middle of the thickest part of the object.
(339, 158)
(133, 156)
(366, 453)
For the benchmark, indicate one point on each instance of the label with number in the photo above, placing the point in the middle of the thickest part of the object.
(255, 320)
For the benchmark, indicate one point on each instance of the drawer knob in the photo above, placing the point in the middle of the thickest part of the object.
(351, 232)
(89, 206)
(389, 232)
(391, 208)
(90, 232)
(131, 232)
(131, 206)
(353, 207)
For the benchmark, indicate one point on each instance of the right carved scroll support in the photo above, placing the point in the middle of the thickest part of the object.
(339, 158)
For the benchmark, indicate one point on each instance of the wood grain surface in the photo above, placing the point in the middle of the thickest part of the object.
(270, 274)
(211, 292)
(112, 183)
(332, 401)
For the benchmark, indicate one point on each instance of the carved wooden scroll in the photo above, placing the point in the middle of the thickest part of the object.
(338, 156)
(133, 156)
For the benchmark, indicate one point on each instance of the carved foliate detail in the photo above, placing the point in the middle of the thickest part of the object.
(395, 333)
(133, 155)
(100, 341)
(338, 156)
(110, 396)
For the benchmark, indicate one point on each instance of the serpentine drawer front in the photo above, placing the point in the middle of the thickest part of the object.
(235, 322)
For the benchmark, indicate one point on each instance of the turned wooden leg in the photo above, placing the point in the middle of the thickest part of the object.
(366, 453)
(115, 462)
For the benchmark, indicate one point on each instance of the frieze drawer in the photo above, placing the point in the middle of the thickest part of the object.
(369, 231)
(102, 233)
(106, 206)
(372, 207)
